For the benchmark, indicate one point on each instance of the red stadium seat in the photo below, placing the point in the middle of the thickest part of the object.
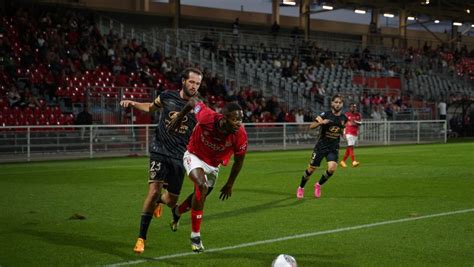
(53, 120)
(3, 103)
(6, 111)
(16, 111)
(31, 119)
(47, 111)
(37, 111)
(57, 111)
(22, 120)
(28, 111)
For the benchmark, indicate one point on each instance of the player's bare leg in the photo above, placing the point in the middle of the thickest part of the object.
(167, 198)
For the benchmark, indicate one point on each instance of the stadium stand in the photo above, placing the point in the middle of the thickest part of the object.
(71, 59)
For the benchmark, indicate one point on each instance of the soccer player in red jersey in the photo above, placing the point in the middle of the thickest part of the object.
(215, 138)
(354, 120)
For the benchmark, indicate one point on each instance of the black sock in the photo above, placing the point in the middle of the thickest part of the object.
(144, 224)
(305, 178)
(174, 212)
(324, 177)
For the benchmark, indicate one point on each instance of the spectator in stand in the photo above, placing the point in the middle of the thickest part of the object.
(299, 117)
(14, 97)
(32, 101)
(207, 43)
(272, 104)
(308, 116)
(84, 118)
(376, 115)
(280, 114)
(217, 87)
(290, 116)
(165, 66)
(442, 110)
(277, 63)
(156, 59)
(229, 87)
(87, 60)
(266, 117)
(275, 29)
(235, 28)
(389, 111)
(295, 34)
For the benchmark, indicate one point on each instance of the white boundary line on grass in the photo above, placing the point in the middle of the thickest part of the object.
(256, 243)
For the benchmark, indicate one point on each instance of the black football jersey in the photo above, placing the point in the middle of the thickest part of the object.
(331, 132)
(172, 144)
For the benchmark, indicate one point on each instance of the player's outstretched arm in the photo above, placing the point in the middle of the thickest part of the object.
(146, 107)
(177, 118)
(318, 121)
(226, 190)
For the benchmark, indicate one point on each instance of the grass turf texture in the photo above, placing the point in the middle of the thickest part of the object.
(38, 200)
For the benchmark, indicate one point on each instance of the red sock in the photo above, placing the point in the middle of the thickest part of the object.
(346, 154)
(352, 153)
(196, 218)
(184, 207)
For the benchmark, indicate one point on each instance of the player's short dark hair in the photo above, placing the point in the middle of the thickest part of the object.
(185, 73)
(337, 96)
(352, 104)
(230, 107)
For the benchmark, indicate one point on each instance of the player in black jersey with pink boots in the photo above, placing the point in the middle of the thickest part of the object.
(332, 125)
(166, 149)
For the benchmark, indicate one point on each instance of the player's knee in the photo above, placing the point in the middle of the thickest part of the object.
(171, 200)
(310, 169)
(332, 169)
(154, 192)
(203, 188)
(172, 203)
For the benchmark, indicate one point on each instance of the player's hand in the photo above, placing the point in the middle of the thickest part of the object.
(226, 192)
(127, 103)
(175, 122)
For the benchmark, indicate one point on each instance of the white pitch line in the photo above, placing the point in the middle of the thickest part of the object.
(256, 243)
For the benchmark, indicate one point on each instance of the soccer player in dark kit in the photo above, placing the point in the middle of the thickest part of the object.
(332, 124)
(166, 150)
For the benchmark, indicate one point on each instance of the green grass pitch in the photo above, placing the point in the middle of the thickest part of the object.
(392, 183)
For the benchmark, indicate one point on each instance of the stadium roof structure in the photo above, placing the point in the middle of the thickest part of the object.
(455, 10)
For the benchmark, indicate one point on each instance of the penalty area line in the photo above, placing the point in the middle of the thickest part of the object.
(268, 241)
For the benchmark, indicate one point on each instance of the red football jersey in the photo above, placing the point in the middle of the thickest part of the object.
(352, 127)
(211, 145)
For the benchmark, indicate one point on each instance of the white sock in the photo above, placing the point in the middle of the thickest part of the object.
(194, 234)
